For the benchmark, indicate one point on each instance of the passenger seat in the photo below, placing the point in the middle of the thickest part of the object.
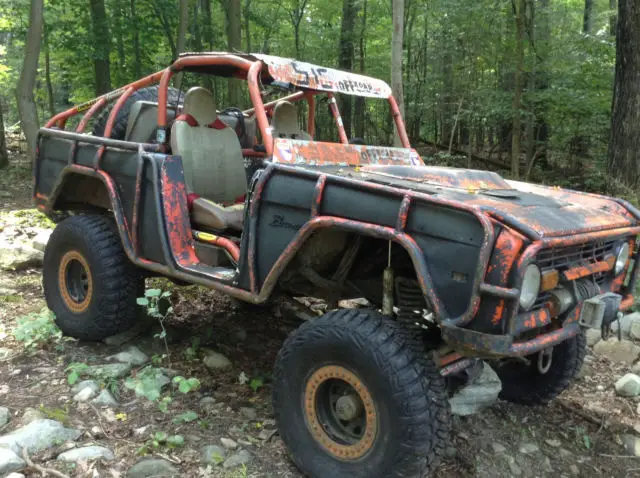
(284, 122)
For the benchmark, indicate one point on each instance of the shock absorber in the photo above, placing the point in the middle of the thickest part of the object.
(410, 302)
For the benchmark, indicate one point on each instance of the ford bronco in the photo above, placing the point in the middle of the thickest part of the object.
(458, 265)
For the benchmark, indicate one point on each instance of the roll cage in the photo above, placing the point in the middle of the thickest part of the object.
(307, 81)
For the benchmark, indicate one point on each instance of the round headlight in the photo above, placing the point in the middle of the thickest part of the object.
(621, 258)
(530, 287)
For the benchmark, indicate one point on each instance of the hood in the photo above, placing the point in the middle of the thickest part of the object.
(546, 211)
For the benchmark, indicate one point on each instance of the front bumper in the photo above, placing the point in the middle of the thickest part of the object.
(478, 343)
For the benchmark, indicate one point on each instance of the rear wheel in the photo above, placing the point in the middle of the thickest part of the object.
(89, 283)
(544, 375)
(353, 399)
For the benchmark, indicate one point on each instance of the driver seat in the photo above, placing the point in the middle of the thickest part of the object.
(212, 161)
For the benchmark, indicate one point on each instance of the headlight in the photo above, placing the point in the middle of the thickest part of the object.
(530, 287)
(622, 258)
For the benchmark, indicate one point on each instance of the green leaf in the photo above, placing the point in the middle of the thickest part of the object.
(73, 377)
(256, 384)
(186, 417)
(142, 301)
(152, 292)
(175, 441)
(587, 441)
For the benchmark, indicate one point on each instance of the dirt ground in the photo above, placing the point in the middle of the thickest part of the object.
(577, 435)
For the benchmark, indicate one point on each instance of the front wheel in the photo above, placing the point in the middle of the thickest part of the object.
(353, 398)
(89, 283)
(544, 375)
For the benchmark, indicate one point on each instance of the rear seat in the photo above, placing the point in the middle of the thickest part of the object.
(143, 121)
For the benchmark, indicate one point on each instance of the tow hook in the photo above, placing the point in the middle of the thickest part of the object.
(545, 358)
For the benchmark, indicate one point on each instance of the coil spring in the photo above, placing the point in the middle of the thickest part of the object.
(409, 300)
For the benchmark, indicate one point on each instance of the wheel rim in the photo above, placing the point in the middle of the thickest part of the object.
(76, 284)
(340, 412)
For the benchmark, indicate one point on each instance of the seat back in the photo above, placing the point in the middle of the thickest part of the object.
(210, 150)
(247, 135)
(143, 121)
(284, 122)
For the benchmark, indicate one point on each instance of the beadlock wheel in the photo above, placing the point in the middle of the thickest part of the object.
(340, 412)
(354, 397)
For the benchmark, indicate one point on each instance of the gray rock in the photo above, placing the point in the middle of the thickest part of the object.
(479, 394)
(143, 324)
(207, 401)
(529, 448)
(153, 467)
(105, 399)
(40, 241)
(91, 384)
(84, 395)
(624, 324)
(574, 469)
(15, 475)
(228, 443)
(593, 336)
(10, 461)
(111, 370)
(132, 356)
(38, 435)
(239, 458)
(4, 352)
(213, 454)
(266, 434)
(628, 385)
(553, 443)
(87, 453)
(631, 444)
(30, 415)
(5, 415)
(623, 351)
(498, 447)
(217, 361)
(248, 413)
(634, 331)
(16, 256)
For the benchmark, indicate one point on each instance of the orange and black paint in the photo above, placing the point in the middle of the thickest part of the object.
(486, 231)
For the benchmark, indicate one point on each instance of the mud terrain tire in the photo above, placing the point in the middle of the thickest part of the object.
(120, 125)
(403, 405)
(525, 385)
(89, 283)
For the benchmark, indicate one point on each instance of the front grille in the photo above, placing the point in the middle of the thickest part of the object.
(562, 257)
(571, 256)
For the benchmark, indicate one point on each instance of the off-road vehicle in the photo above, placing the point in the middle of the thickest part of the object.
(456, 264)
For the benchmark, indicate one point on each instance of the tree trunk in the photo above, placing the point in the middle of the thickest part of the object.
(101, 47)
(247, 23)
(519, 7)
(346, 53)
(446, 102)
(183, 19)
(166, 26)
(26, 103)
(234, 42)
(531, 87)
(296, 16)
(181, 39)
(137, 60)
(47, 72)
(208, 27)
(396, 58)
(613, 17)
(624, 143)
(118, 31)
(4, 156)
(359, 107)
(587, 23)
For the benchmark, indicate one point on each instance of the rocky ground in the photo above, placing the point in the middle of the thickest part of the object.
(200, 406)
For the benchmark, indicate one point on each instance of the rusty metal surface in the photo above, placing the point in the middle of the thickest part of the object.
(307, 75)
(316, 153)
